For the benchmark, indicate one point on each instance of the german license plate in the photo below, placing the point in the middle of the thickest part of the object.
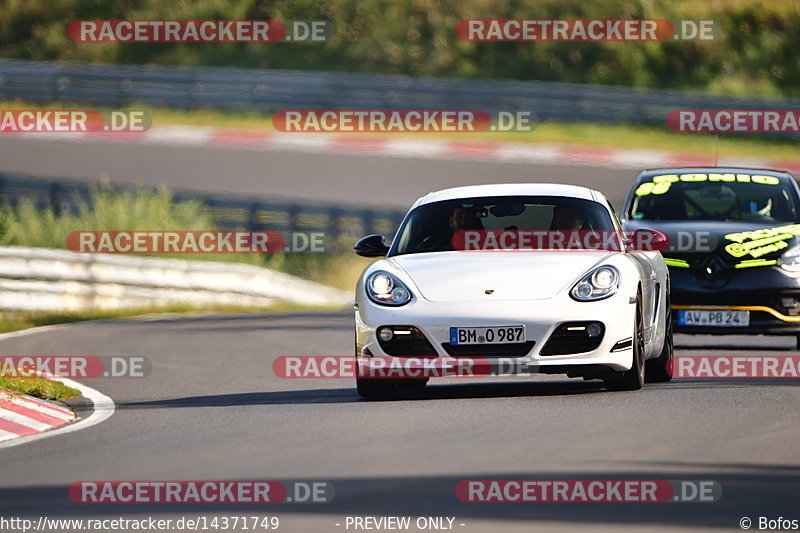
(488, 335)
(729, 319)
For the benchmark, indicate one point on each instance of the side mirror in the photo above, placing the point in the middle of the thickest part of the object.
(372, 246)
(646, 240)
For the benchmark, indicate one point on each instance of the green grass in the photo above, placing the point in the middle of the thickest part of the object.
(46, 389)
(107, 209)
(148, 210)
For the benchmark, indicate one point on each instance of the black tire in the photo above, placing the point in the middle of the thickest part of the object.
(658, 370)
(632, 379)
(376, 389)
(414, 383)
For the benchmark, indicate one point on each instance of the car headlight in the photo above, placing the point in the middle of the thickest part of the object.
(385, 289)
(600, 283)
(790, 260)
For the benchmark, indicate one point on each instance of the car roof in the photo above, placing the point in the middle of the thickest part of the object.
(510, 189)
(715, 170)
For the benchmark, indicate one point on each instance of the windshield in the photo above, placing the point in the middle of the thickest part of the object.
(714, 197)
(430, 227)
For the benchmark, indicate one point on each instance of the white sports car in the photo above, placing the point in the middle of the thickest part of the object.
(591, 313)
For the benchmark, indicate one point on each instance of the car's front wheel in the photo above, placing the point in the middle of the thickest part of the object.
(632, 379)
(658, 370)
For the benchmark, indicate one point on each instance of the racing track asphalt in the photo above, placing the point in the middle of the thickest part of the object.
(313, 177)
(211, 409)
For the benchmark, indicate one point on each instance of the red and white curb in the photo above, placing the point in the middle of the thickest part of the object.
(21, 416)
(103, 407)
(422, 148)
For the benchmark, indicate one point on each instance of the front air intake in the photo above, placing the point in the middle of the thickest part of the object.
(574, 337)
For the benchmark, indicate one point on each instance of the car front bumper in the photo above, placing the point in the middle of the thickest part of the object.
(541, 319)
(764, 292)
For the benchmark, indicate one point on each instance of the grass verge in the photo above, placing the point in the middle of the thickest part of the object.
(629, 136)
(43, 388)
(28, 224)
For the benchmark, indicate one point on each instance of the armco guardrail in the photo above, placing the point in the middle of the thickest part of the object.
(270, 90)
(341, 225)
(40, 279)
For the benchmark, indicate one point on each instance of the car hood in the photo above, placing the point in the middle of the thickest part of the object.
(511, 275)
(730, 240)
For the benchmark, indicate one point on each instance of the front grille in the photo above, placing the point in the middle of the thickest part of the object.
(573, 337)
(413, 344)
(517, 349)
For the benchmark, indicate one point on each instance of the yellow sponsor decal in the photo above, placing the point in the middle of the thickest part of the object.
(662, 182)
(652, 188)
(680, 263)
(760, 242)
(786, 231)
(747, 263)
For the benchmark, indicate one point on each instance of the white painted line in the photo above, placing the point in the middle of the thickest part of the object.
(639, 159)
(531, 153)
(299, 141)
(103, 406)
(412, 148)
(178, 135)
(745, 162)
(7, 435)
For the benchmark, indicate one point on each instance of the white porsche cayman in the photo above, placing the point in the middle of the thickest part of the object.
(591, 313)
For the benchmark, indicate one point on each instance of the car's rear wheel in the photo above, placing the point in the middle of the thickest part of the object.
(632, 379)
(658, 370)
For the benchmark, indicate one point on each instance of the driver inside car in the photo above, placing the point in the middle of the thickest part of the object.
(566, 219)
(463, 218)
